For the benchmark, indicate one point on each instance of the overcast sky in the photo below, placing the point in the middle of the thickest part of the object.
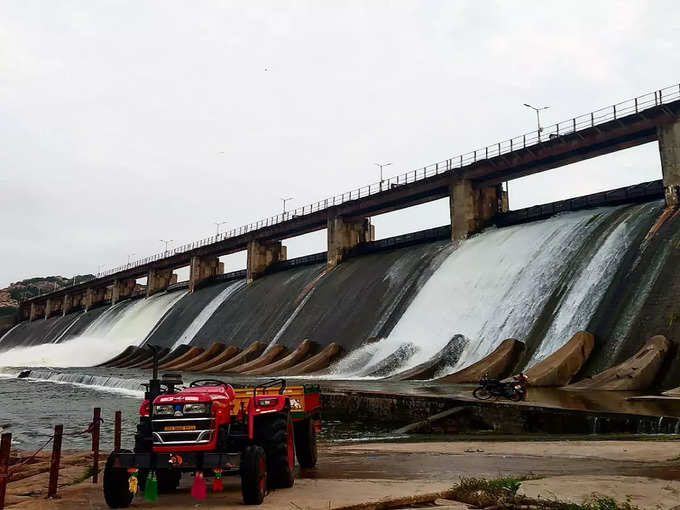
(126, 122)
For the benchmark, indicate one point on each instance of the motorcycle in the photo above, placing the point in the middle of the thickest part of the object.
(515, 389)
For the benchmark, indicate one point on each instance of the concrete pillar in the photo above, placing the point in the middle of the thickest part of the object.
(473, 207)
(122, 289)
(71, 301)
(37, 311)
(669, 151)
(67, 304)
(52, 305)
(202, 268)
(159, 280)
(262, 254)
(344, 234)
(94, 296)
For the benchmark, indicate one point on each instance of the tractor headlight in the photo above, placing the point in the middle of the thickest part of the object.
(267, 402)
(196, 408)
(163, 410)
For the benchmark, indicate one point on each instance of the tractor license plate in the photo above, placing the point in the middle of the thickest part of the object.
(179, 428)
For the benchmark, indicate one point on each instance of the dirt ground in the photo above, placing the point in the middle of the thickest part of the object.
(646, 473)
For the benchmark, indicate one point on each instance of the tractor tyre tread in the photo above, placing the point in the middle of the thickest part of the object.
(272, 433)
(251, 487)
(115, 482)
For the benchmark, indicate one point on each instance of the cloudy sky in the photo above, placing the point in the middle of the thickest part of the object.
(126, 122)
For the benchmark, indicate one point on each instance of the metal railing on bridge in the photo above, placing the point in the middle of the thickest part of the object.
(586, 121)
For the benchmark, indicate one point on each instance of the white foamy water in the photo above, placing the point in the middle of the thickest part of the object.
(199, 321)
(495, 285)
(102, 340)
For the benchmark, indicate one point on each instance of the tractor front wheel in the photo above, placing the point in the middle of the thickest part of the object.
(305, 443)
(253, 475)
(116, 485)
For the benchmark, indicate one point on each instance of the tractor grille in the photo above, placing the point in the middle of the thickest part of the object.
(182, 431)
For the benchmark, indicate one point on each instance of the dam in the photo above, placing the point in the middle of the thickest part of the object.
(568, 292)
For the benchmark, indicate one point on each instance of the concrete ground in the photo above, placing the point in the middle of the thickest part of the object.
(646, 472)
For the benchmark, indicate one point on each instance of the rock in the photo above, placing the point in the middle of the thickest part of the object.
(558, 368)
(496, 364)
(635, 374)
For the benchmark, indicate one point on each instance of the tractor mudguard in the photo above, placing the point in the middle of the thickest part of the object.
(265, 404)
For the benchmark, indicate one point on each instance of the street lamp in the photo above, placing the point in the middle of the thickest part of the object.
(284, 200)
(218, 224)
(167, 242)
(538, 117)
(381, 165)
(130, 255)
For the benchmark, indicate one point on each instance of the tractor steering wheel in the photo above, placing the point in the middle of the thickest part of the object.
(207, 382)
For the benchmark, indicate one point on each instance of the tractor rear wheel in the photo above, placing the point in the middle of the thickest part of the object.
(305, 443)
(276, 435)
(253, 475)
(116, 486)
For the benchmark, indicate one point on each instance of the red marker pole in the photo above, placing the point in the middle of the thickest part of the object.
(96, 422)
(5, 446)
(56, 460)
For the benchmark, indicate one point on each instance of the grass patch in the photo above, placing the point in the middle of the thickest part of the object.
(502, 493)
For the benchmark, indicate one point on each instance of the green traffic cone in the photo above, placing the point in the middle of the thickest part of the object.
(151, 487)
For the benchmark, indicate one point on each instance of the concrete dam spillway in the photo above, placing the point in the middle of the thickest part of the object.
(612, 271)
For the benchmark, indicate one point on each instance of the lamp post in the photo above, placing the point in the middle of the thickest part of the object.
(538, 117)
(381, 165)
(130, 255)
(284, 200)
(218, 224)
(167, 242)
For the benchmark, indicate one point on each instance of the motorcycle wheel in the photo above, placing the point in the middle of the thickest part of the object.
(515, 396)
(481, 393)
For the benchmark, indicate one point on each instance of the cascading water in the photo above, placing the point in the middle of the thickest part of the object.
(496, 284)
(127, 323)
(199, 321)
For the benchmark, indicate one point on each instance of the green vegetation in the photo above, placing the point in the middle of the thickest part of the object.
(502, 493)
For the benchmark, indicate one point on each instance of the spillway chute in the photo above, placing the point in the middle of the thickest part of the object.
(496, 365)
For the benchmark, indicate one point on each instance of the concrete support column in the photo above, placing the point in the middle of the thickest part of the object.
(52, 305)
(122, 289)
(344, 234)
(37, 311)
(72, 301)
(669, 151)
(202, 268)
(67, 304)
(94, 296)
(473, 207)
(262, 254)
(159, 280)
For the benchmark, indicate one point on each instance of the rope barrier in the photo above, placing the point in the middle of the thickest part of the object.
(89, 430)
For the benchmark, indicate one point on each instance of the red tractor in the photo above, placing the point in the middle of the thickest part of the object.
(211, 428)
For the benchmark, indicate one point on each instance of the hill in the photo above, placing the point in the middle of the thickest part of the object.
(18, 291)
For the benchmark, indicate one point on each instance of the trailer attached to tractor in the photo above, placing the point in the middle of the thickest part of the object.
(210, 429)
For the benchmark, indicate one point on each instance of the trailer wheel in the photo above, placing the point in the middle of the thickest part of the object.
(276, 435)
(116, 488)
(253, 475)
(305, 443)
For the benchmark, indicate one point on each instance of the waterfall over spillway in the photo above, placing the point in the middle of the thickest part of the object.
(498, 284)
(126, 323)
(199, 321)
